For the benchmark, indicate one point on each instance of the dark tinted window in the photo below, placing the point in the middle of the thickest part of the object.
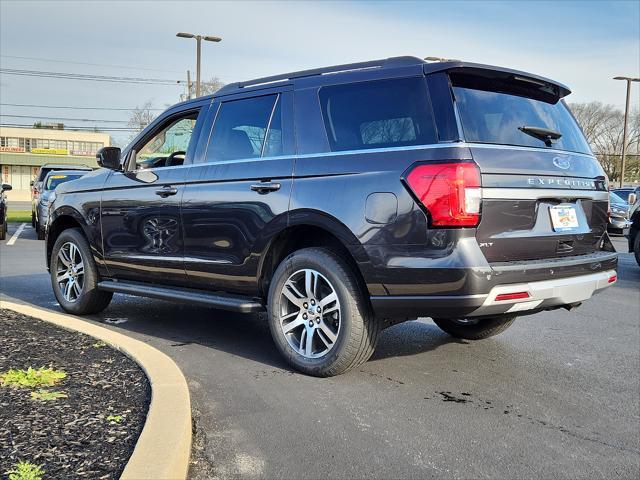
(43, 173)
(495, 117)
(384, 113)
(241, 127)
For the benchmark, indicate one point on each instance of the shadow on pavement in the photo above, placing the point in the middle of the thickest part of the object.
(247, 336)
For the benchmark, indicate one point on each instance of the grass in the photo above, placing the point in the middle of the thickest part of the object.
(31, 378)
(114, 418)
(19, 216)
(25, 471)
(47, 395)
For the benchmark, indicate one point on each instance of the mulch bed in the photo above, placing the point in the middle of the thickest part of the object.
(69, 437)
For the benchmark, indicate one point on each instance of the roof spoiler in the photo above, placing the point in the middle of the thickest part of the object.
(547, 86)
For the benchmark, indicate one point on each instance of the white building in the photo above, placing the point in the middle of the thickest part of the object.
(24, 150)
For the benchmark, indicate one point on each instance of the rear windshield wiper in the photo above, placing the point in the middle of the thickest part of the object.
(544, 134)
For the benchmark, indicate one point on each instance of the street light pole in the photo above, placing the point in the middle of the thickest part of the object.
(198, 48)
(198, 39)
(626, 121)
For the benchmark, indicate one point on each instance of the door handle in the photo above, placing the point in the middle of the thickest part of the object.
(166, 191)
(265, 187)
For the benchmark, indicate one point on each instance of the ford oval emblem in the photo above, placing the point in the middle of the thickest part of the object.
(562, 163)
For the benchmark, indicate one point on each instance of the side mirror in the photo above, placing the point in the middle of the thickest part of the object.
(6, 187)
(109, 157)
(632, 198)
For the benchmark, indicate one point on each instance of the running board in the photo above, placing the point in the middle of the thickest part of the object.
(223, 301)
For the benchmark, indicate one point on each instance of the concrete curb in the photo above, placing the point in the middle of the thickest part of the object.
(164, 446)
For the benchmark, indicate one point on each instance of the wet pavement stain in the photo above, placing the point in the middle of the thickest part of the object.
(449, 397)
(510, 410)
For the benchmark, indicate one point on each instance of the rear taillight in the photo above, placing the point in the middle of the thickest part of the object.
(449, 191)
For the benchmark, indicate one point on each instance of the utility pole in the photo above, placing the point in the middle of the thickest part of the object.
(626, 121)
(188, 84)
(198, 39)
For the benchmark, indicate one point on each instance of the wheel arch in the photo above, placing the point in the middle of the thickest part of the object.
(61, 220)
(312, 229)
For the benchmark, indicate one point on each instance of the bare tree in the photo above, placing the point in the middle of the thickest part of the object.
(140, 117)
(211, 86)
(603, 126)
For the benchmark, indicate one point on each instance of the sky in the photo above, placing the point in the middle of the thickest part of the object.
(581, 44)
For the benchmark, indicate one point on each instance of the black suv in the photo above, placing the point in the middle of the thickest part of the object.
(345, 199)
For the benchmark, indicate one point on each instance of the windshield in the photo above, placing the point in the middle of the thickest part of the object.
(509, 119)
(615, 198)
(54, 180)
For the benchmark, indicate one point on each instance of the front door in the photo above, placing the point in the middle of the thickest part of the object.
(140, 212)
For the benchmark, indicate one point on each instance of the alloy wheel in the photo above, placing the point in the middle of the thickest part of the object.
(310, 315)
(70, 272)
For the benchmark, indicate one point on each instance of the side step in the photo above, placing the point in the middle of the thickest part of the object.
(223, 301)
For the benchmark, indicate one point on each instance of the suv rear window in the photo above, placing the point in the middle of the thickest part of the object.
(489, 115)
(378, 114)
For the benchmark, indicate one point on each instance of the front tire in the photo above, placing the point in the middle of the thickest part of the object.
(74, 276)
(636, 248)
(475, 329)
(40, 231)
(319, 316)
(3, 231)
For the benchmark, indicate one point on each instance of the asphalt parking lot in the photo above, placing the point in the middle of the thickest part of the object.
(555, 396)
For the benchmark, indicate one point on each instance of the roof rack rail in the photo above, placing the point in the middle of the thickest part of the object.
(383, 63)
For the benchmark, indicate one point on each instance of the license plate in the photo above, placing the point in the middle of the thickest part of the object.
(563, 218)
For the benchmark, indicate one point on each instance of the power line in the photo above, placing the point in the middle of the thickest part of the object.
(77, 127)
(95, 78)
(77, 108)
(39, 59)
(38, 117)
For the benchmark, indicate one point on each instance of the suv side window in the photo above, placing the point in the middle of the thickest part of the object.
(169, 146)
(241, 129)
(378, 114)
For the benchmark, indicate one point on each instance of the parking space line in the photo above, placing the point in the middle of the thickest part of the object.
(15, 236)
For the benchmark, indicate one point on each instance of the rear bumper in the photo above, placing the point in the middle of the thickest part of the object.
(545, 294)
(549, 283)
(542, 295)
(619, 225)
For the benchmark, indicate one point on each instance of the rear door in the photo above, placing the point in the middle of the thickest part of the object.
(238, 198)
(544, 193)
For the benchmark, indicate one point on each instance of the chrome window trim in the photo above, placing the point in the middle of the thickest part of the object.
(399, 149)
(266, 132)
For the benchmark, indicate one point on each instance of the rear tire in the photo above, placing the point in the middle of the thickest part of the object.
(315, 294)
(475, 330)
(74, 276)
(3, 231)
(33, 219)
(636, 248)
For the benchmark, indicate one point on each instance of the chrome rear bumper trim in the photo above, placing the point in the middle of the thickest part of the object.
(547, 293)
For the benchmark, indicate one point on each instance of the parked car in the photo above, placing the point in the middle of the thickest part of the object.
(626, 191)
(345, 199)
(619, 215)
(36, 184)
(634, 232)
(4, 187)
(47, 194)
